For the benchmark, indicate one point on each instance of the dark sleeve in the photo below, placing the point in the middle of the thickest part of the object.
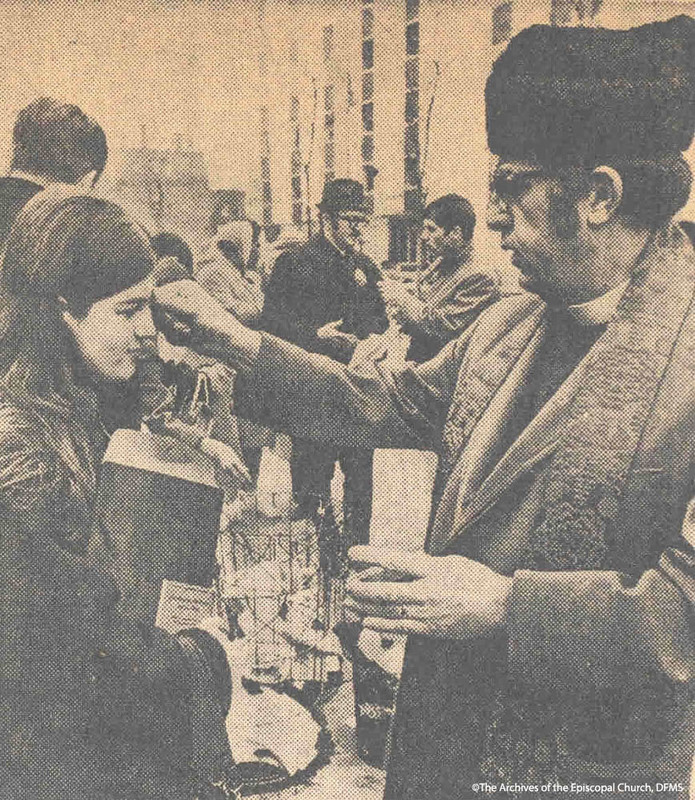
(371, 314)
(143, 690)
(30, 475)
(596, 631)
(287, 295)
(311, 396)
(146, 677)
(131, 679)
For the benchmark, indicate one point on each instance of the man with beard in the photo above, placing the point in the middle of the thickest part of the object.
(451, 291)
(550, 620)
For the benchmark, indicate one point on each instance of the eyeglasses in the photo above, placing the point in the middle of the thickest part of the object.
(352, 220)
(508, 187)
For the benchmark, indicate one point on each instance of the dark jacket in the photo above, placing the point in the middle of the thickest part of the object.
(15, 193)
(316, 284)
(93, 705)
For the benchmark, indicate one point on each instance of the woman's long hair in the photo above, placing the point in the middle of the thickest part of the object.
(67, 248)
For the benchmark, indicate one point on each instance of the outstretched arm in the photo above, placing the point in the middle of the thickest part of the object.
(310, 395)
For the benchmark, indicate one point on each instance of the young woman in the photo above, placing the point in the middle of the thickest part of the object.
(92, 705)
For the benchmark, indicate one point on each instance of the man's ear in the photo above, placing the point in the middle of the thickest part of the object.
(606, 195)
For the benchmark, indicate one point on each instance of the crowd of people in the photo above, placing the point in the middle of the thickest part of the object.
(549, 619)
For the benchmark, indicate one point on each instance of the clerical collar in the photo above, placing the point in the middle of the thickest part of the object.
(600, 310)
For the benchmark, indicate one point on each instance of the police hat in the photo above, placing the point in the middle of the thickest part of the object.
(343, 196)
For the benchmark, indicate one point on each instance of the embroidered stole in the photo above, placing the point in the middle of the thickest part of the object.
(602, 420)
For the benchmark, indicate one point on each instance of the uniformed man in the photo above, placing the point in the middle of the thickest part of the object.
(323, 296)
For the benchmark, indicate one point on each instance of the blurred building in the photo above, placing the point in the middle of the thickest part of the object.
(423, 66)
(169, 190)
(390, 92)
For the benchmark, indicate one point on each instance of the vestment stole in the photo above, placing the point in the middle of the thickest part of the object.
(584, 483)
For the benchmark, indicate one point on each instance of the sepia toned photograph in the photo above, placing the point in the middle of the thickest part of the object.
(347, 399)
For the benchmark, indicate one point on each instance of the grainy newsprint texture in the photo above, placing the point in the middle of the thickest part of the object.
(347, 399)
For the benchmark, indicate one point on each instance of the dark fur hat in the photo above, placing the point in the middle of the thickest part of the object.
(579, 95)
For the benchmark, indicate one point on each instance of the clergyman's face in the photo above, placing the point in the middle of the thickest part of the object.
(525, 206)
(115, 332)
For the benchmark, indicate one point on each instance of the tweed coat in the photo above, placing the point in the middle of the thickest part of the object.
(592, 680)
(451, 296)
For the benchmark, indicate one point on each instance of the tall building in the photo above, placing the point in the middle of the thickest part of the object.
(389, 92)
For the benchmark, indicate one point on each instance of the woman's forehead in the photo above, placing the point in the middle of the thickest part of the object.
(139, 291)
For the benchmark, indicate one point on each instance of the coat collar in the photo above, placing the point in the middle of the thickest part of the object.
(603, 404)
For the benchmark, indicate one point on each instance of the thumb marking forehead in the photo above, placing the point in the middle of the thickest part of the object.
(169, 270)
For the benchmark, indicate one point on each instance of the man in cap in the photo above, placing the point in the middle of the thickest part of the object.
(551, 620)
(324, 297)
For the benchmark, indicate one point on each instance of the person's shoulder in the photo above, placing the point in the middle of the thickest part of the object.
(496, 321)
(507, 311)
(16, 418)
(316, 249)
(480, 275)
(297, 253)
(302, 261)
(369, 267)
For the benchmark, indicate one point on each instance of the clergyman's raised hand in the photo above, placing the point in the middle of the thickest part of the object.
(187, 315)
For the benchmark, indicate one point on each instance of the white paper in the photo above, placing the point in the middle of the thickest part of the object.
(182, 605)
